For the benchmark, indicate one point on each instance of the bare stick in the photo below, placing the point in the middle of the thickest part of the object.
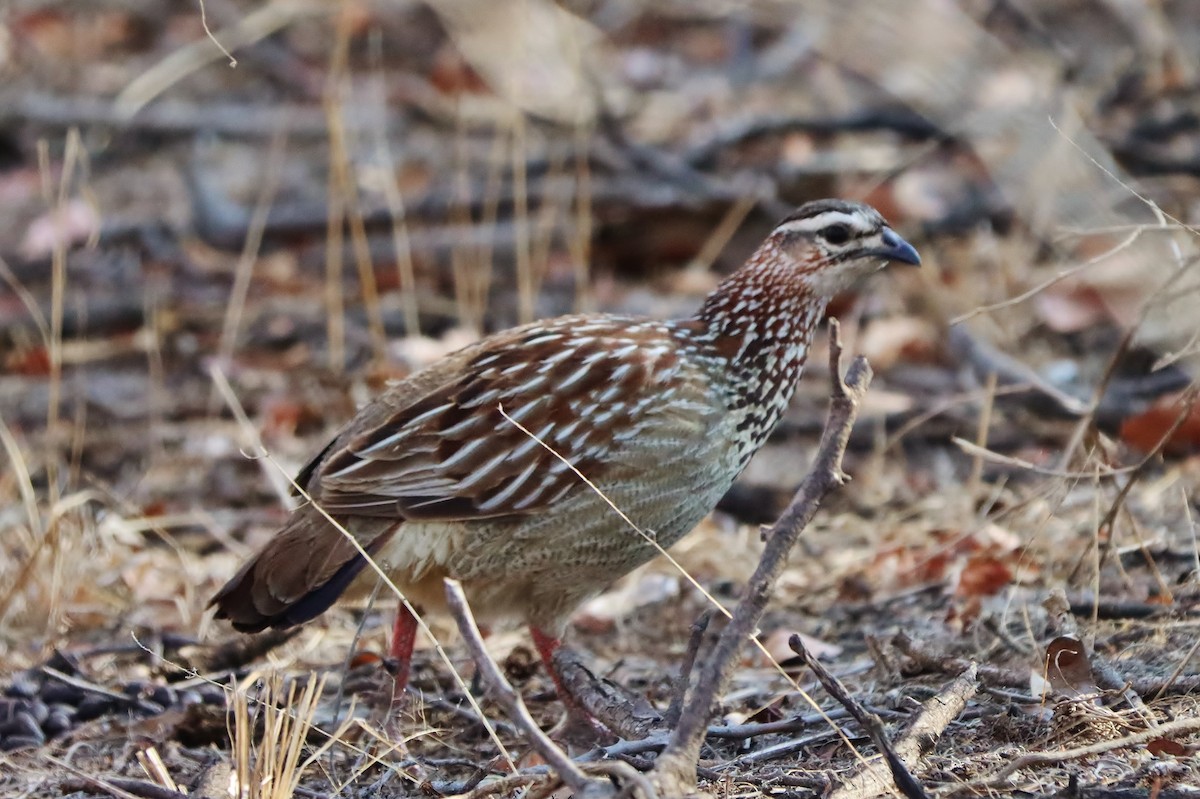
(627, 714)
(936, 714)
(502, 692)
(675, 771)
(699, 626)
(1172, 729)
(905, 782)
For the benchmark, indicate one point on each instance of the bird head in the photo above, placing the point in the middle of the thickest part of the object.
(836, 243)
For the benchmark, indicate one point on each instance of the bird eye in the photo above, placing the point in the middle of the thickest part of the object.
(835, 234)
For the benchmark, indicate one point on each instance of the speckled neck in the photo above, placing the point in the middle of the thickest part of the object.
(758, 325)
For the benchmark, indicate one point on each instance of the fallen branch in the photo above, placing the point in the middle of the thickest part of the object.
(936, 714)
(699, 627)
(506, 784)
(901, 776)
(123, 787)
(675, 770)
(1171, 729)
(627, 714)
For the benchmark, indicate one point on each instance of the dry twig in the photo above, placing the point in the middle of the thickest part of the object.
(905, 782)
(675, 771)
(624, 712)
(1171, 729)
(936, 714)
(699, 627)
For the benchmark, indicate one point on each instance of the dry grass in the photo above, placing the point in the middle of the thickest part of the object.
(270, 764)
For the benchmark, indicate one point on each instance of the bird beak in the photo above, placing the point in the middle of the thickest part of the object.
(897, 249)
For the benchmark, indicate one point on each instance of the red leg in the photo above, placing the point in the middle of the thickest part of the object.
(578, 723)
(404, 635)
(546, 646)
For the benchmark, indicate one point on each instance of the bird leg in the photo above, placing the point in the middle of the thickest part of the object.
(579, 725)
(546, 646)
(404, 636)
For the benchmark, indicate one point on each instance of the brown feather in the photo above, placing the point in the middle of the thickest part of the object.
(298, 561)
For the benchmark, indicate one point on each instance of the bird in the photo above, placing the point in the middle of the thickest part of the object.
(542, 463)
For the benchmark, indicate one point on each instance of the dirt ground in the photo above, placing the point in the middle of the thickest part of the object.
(206, 269)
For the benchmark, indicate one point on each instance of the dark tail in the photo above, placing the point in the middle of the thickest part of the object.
(300, 573)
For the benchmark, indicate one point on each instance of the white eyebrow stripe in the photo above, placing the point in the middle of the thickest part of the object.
(814, 223)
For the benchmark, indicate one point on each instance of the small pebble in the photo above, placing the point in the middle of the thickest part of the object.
(23, 725)
(56, 723)
(164, 695)
(93, 707)
(39, 710)
(213, 694)
(60, 693)
(15, 742)
(62, 708)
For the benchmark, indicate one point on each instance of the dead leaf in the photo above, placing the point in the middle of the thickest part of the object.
(1165, 747)
(1069, 309)
(982, 575)
(536, 55)
(776, 644)
(886, 403)
(884, 342)
(420, 351)
(1144, 431)
(647, 588)
(287, 416)
(772, 712)
(1068, 669)
(29, 361)
(72, 224)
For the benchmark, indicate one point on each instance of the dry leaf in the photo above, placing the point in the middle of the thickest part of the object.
(536, 55)
(982, 575)
(74, 223)
(646, 588)
(1068, 669)
(887, 341)
(1165, 747)
(1144, 431)
(886, 403)
(776, 644)
(1069, 309)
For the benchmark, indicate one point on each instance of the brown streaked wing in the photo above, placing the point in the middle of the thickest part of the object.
(452, 454)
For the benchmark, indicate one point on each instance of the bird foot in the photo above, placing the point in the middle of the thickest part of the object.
(579, 731)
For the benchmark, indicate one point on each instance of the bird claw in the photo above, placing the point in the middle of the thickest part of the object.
(580, 731)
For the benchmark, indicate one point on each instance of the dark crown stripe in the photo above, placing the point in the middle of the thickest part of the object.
(818, 207)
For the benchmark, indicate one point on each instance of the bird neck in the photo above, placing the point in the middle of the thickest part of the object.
(764, 307)
(758, 325)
